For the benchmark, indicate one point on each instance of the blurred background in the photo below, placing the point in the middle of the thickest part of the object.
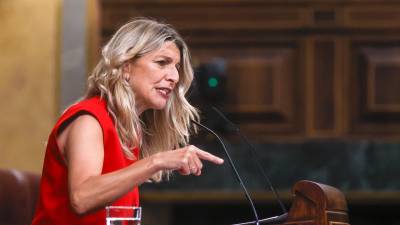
(313, 84)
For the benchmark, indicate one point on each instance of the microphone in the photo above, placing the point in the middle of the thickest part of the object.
(270, 220)
(235, 172)
(254, 155)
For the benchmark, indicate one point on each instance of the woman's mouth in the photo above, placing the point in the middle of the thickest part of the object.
(164, 91)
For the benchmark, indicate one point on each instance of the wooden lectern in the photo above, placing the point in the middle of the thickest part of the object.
(317, 204)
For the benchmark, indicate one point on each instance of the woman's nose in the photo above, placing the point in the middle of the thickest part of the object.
(173, 75)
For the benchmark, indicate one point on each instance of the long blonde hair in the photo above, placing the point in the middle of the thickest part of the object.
(155, 130)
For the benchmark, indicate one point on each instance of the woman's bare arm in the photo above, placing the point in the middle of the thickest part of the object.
(82, 144)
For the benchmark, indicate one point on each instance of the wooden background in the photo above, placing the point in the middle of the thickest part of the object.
(296, 71)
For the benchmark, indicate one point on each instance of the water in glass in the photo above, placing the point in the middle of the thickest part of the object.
(123, 215)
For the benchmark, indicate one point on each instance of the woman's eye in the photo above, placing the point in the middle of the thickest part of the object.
(178, 66)
(161, 62)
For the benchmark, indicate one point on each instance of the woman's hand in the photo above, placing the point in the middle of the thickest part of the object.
(186, 160)
(89, 189)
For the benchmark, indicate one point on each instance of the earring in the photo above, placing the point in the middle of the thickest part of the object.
(126, 71)
(127, 77)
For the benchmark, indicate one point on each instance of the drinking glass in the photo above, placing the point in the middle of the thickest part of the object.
(123, 215)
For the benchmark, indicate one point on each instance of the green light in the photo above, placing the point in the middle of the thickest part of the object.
(213, 82)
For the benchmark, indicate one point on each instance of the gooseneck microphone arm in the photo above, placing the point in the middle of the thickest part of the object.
(271, 220)
(234, 170)
(255, 156)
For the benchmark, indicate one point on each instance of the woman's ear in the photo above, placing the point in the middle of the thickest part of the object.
(126, 67)
(126, 71)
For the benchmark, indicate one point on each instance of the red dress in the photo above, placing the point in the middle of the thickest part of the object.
(54, 206)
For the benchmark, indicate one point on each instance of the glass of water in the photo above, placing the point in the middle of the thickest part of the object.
(123, 215)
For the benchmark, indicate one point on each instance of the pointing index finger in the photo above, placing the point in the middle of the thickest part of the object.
(209, 157)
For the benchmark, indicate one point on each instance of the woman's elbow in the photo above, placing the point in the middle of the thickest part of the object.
(78, 205)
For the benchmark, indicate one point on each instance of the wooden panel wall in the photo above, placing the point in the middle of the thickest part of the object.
(303, 69)
(374, 87)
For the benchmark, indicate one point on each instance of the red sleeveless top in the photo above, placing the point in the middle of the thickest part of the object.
(54, 205)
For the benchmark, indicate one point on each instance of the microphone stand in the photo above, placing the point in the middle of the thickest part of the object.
(257, 222)
(270, 220)
(254, 155)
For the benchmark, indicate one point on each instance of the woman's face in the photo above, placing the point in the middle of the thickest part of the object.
(154, 76)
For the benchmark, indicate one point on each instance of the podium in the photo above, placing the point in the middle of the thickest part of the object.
(317, 204)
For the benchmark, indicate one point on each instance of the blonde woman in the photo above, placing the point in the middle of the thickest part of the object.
(132, 126)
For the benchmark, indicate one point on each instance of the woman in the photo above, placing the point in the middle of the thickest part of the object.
(135, 100)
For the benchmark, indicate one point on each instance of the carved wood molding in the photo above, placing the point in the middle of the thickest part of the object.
(374, 87)
(296, 69)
